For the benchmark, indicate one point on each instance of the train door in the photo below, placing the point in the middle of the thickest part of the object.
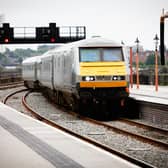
(52, 72)
(35, 71)
(68, 63)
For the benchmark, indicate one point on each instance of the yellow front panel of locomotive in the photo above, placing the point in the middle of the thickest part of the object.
(102, 68)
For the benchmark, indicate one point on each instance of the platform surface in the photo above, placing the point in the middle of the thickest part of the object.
(149, 94)
(28, 143)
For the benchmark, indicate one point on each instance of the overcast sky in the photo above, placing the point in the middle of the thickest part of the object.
(115, 19)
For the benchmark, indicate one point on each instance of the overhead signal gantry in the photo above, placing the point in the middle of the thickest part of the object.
(51, 34)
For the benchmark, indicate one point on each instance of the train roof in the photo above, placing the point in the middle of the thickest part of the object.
(32, 60)
(91, 42)
(98, 41)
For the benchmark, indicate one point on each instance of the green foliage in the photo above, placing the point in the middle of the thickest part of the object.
(18, 55)
(142, 65)
(150, 60)
(44, 48)
(23, 53)
(1, 56)
(3, 59)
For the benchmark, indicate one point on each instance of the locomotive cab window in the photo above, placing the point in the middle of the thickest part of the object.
(89, 55)
(112, 54)
(101, 54)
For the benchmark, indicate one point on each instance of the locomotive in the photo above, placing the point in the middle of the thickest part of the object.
(87, 73)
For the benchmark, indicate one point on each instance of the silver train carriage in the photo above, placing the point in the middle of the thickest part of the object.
(93, 71)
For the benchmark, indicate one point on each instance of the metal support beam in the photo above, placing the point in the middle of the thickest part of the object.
(50, 34)
(162, 49)
(162, 46)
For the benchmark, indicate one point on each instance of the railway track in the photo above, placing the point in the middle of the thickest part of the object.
(145, 133)
(11, 94)
(10, 78)
(11, 85)
(145, 126)
(108, 126)
(113, 151)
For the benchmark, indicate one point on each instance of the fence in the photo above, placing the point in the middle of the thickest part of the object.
(147, 75)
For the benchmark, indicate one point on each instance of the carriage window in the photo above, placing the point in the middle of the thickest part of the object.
(89, 55)
(112, 54)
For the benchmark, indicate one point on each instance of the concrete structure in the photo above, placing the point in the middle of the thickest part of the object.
(28, 143)
(148, 93)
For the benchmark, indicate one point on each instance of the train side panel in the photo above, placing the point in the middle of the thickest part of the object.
(29, 73)
(46, 71)
(64, 70)
(68, 69)
(59, 70)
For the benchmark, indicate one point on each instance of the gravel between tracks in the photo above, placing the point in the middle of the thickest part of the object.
(16, 100)
(163, 126)
(153, 155)
(5, 92)
(142, 131)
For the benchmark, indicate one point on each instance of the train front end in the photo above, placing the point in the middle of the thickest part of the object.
(103, 78)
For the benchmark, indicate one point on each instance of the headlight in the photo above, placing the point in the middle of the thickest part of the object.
(115, 77)
(118, 78)
(88, 78)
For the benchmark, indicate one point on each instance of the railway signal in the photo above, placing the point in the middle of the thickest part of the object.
(6, 40)
(6, 33)
(50, 34)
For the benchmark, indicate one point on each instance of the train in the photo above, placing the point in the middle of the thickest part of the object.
(82, 75)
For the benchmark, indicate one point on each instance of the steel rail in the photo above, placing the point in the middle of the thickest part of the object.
(11, 94)
(145, 126)
(142, 138)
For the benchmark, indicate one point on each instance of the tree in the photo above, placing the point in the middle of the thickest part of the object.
(20, 59)
(150, 60)
(1, 56)
(8, 53)
(43, 48)
(16, 56)
(24, 53)
(141, 65)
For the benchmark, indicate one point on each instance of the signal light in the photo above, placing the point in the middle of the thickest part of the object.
(52, 39)
(6, 40)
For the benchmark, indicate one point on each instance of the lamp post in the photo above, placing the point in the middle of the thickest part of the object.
(137, 62)
(131, 72)
(156, 39)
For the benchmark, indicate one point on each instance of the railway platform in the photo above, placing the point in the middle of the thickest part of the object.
(28, 143)
(149, 94)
